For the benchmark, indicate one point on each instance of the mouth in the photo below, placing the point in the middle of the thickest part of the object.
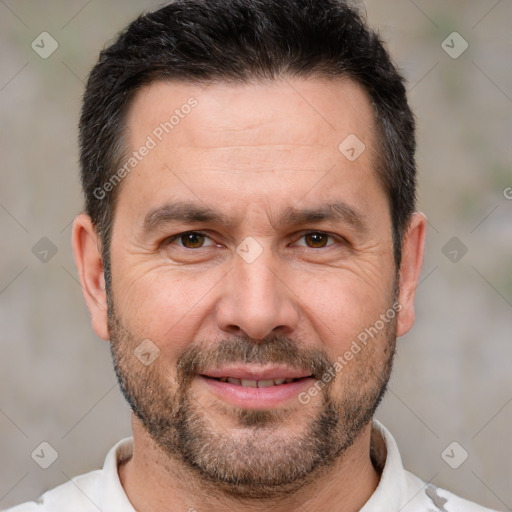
(250, 383)
(253, 387)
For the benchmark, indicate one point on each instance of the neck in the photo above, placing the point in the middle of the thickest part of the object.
(153, 481)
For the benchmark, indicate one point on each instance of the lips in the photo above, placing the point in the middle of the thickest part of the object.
(254, 383)
(255, 376)
(245, 390)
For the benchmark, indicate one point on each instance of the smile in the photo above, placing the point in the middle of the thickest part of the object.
(248, 383)
(256, 387)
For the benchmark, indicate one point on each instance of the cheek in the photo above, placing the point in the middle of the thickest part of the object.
(340, 308)
(165, 305)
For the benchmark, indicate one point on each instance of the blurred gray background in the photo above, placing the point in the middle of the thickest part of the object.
(452, 380)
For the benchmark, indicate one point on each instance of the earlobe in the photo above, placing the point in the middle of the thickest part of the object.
(413, 248)
(89, 263)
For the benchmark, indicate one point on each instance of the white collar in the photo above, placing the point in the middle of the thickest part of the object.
(392, 488)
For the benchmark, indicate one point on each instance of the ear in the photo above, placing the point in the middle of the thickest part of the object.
(413, 248)
(86, 249)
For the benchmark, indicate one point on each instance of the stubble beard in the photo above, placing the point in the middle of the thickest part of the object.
(260, 459)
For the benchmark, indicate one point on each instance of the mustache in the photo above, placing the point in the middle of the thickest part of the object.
(199, 358)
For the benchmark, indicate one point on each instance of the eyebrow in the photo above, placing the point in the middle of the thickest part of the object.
(182, 212)
(337, 211)
(189, 213)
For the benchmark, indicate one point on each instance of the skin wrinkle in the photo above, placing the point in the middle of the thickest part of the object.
(185, 436)
(192, 430)
(298, 305)
(190, 212)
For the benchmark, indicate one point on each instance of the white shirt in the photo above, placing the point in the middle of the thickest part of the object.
(398, 489)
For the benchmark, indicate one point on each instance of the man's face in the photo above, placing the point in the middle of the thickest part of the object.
(227, 257)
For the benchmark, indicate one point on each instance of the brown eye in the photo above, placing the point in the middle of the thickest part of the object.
(316, 240)
(191, 240)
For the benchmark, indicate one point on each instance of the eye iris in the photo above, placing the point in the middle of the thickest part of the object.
(192, 240)
(316, 240)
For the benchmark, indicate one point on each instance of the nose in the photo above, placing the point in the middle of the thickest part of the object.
(256, 299)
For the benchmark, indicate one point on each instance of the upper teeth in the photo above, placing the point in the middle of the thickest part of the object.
(256, 383)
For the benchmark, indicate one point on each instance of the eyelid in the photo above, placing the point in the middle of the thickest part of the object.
(302, 234)
(171, 239)
(329, 235)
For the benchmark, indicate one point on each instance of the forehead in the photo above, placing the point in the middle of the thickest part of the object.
(258, 139)
(282, 111)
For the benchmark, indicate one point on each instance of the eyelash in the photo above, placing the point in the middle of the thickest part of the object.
(173, 238)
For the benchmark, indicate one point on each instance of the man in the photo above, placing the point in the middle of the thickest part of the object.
(251, 249)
